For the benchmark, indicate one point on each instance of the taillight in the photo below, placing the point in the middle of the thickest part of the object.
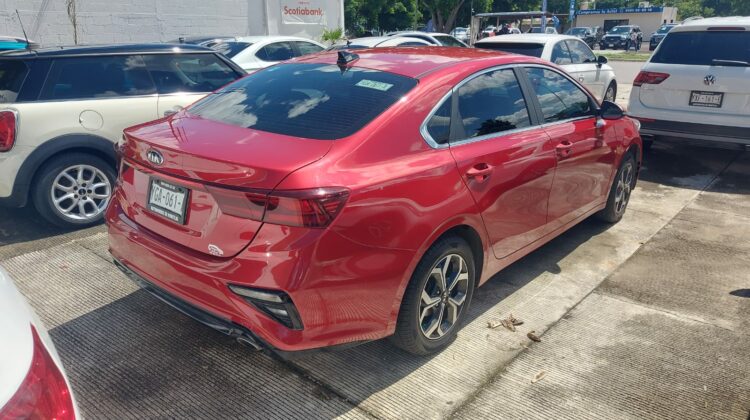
(44, 394)
(314, 208)
(649, 78)
(7, 130)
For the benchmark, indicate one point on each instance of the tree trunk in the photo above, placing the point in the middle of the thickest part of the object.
(452, 17)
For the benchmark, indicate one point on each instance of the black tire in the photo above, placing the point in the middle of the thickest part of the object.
(613, 87)
(615, 208)
(410, 335)
(42, 192)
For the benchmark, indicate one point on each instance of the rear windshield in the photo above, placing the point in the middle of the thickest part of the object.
(12, 75)
(230, 49)
(314, 101)
(523, 48)
(702, 48)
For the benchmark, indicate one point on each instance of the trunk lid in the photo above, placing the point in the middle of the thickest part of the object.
(203, 157)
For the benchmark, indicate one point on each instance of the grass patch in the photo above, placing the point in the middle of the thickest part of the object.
(627, 56)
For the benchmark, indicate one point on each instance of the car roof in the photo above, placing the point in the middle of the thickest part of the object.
(705, 23)
(86, 50)
(374, 41)
(525, 38)
(270, 38)
(418, 61)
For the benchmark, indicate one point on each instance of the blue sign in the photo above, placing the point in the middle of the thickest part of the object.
(572, 11)
(653, 9)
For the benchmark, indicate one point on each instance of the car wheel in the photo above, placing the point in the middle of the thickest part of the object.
(437, 298)
(619, 193)
(73, 190)
(611, 93)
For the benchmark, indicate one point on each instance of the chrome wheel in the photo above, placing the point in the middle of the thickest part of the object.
(443, 296)
(81, 192)
(624, 186)
(609, 95)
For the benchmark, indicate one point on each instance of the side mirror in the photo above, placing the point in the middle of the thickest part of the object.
(600, 60)
(610, 111)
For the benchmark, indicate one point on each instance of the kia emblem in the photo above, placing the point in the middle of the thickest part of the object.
(155, 157)
(709, 80)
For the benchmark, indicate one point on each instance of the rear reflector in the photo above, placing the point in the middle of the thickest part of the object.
(277, 305)
(649, 78)
(44, 394)
(314, 208)
(7, 130)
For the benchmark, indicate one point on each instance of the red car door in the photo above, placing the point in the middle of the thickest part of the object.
(585, 152)
(505, 157)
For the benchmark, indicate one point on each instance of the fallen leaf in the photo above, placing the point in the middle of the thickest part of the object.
(493, 324)
(508, 324)
(532, 336)
(539, 376)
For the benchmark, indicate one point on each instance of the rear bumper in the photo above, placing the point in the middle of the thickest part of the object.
(723, 136)
(337, 304)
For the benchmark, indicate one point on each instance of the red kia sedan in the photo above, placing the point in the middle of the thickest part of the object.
(340, 198)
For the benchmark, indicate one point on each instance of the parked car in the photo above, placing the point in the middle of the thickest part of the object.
(619, 37)
(586, 35)
(317, 203)
(256, 52)
(203, 41)
(16, 43)
(660, 33)
(379, 42)
(569, 52)
(695, 88)
(550, 30)
(33, 384)
(61, 109)
(434, 38)
(488, 32)
(461, 34)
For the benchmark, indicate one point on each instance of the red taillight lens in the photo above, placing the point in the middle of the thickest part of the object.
(44, 394)
(314, 208)
(7, 130)
(650, 78)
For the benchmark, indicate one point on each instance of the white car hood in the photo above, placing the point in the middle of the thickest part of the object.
(17, 346)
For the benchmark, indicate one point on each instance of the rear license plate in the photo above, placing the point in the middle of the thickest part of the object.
(706, 99)
(168, 200)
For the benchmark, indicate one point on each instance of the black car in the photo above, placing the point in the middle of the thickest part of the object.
(619, 37)
(660, 33)
(586, 34)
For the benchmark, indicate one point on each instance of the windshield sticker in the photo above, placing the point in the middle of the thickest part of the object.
(372, 84)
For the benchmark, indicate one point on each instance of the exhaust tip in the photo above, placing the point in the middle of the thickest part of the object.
(248, 342)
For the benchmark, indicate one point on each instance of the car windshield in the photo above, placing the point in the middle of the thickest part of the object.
(577, 31)
(230, 49)
(705, 48)
(12, 75)
(316, 101)
(664, 29)
(449, 41)
(619, 30)
(522, 48)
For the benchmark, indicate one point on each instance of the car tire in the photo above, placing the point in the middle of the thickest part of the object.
(420, 328)
(619, 192)
(611, 93)
(79, 182)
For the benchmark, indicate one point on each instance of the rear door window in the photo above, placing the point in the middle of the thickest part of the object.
(12, 75)
(580, 53)
(561, 54)
(97, 77)
(522, 48)
(702, 48)
(491, 103)
(277, 51)
(188, 72)
(314, 101)
(230, 49)
(439, 125)
(305, 48)
(559, 98)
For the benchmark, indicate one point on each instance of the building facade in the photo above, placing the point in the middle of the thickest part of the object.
(67, 22)
(648, 18)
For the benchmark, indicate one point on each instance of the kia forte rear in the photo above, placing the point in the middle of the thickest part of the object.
(342, 198)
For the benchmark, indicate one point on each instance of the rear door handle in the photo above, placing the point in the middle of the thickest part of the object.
(479, 172)
(564, 149)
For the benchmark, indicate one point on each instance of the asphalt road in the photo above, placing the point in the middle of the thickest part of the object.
(644, 319)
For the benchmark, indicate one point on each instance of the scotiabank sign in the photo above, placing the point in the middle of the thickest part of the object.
(311, 12)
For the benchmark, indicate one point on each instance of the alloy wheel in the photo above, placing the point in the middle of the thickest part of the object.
(443, 296)
(81, 192)
(624, 186)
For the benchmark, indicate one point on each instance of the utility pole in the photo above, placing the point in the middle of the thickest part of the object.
(544, 15)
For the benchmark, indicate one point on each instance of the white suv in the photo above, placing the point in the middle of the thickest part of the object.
(61, 110)
(696, 86)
